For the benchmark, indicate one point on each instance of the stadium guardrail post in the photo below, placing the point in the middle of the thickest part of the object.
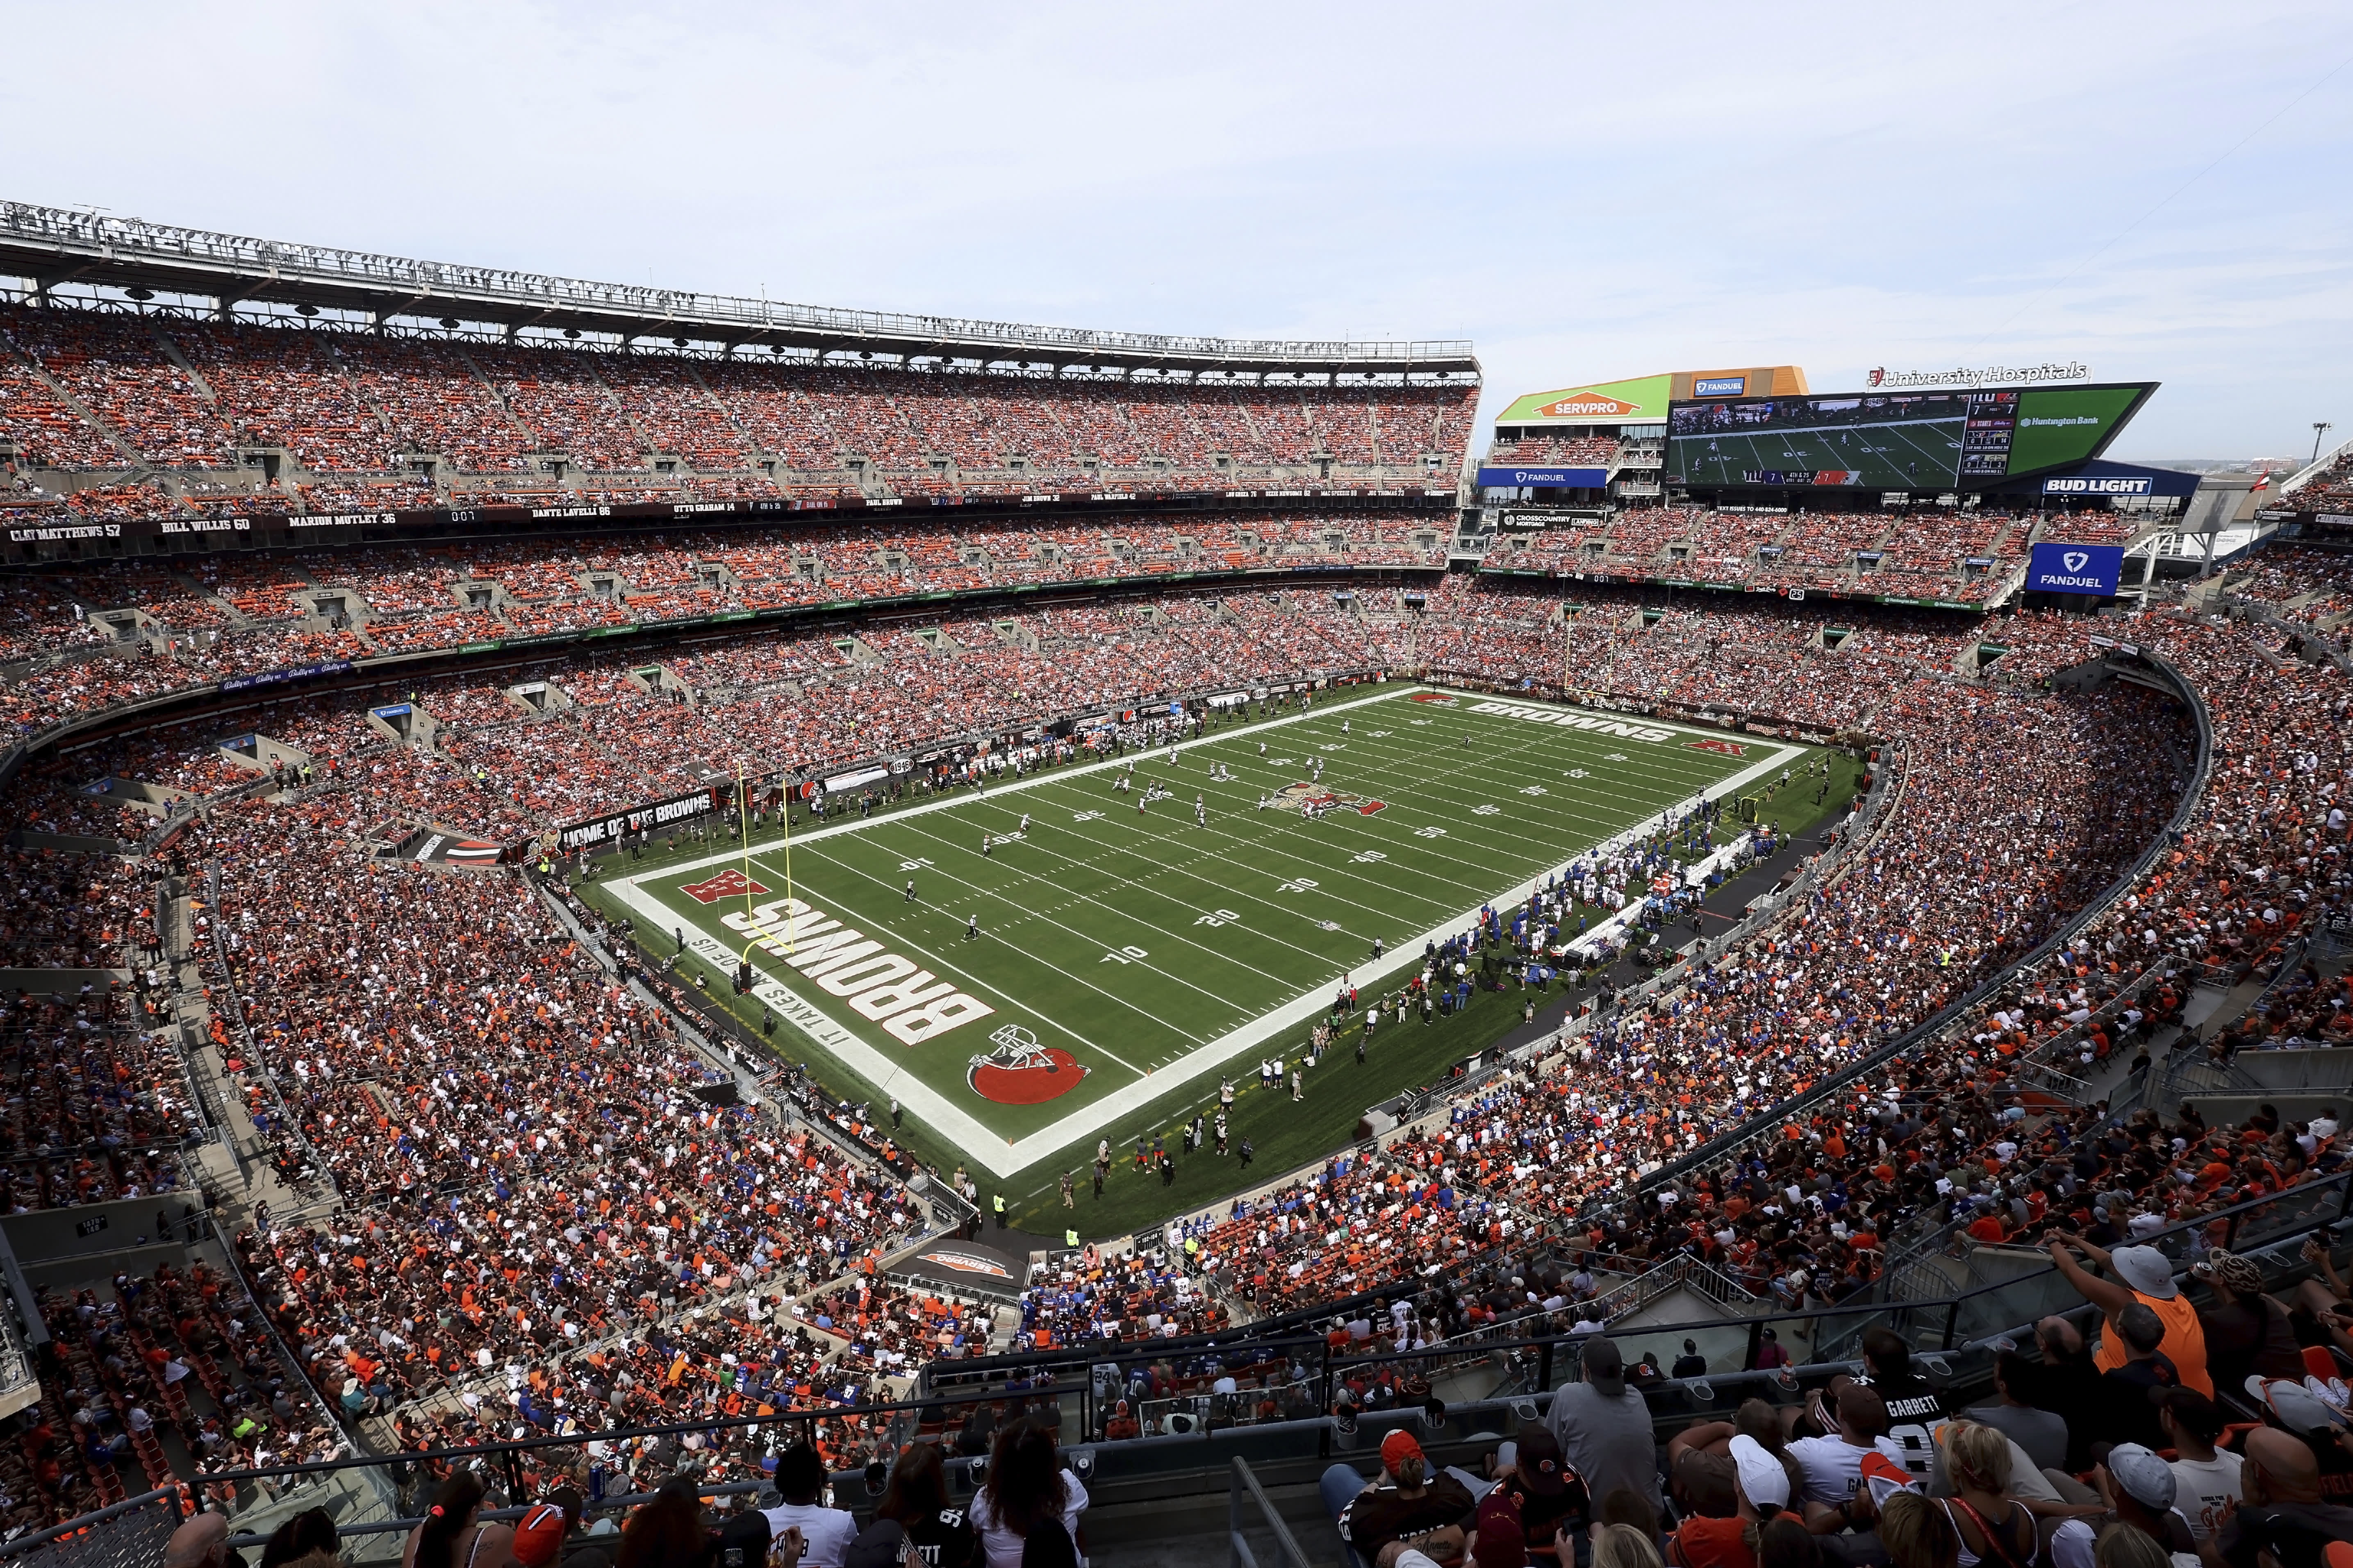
(1952, 1319)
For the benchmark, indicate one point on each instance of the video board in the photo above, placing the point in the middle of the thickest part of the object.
(1891, 441)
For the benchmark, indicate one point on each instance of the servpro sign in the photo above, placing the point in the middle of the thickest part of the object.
(1640, 400)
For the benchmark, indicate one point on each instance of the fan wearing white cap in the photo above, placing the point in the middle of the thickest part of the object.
(1764, 1480)
(2142, 1274)
(2138, 1489)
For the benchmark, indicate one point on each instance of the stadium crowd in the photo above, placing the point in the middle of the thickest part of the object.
(353, 418)
(532, 1237)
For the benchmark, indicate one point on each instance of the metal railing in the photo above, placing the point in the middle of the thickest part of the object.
(128, 1535)
(1079, 1381)
(1243, 1487)
(261, 268)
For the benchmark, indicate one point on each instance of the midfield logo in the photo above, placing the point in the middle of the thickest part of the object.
(1304, 797)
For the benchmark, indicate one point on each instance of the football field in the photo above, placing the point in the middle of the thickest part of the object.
(1898, 454)
(1039, 990)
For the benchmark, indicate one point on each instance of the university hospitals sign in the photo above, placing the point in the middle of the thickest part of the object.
(1884, 379)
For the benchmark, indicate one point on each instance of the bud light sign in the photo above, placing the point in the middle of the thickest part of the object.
(2096, 485)
(2074, 568)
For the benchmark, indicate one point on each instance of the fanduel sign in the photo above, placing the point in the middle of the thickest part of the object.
(1555, 479)
(2074, 568)
(1990, 375)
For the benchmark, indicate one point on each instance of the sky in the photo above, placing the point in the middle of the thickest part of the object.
(2155, 189)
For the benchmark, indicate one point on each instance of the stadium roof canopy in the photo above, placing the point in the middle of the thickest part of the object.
(54, 246)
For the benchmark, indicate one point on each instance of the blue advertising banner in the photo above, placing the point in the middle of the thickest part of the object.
(2074, 568)
(1558, 478)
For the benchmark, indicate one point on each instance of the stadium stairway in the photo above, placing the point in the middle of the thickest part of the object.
(234, 1171)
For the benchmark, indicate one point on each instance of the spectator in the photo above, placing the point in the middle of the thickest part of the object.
(2281, 1518)
(2041, 1433)
(1049, 1545)
(1715, 1532)
(539, 1535)
(1026, 1484)
(1851, 1420)
(1785, 1543)
(2069, 1384)
(2144, 1274)
(201, 1542)
(1994, 1527)
(1404, 1506)
(800, 1482)
(1917, 1533)
(2129, 1392)
(452, 1535)
(917, 1497)
(2296, 1410)
(311, 1531)
(2206, 1480)
(2138, 1488)
(1604, 1428)
(1622, 1546)
(1551, 1496)
(2247, 1333)
(1691, 1364)
(1499, 1537)
(1887, 1367)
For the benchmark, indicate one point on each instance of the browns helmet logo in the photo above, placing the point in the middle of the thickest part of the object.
(729, 884)
(1021, 1071)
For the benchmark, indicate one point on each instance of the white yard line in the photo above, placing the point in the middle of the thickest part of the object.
(1003, 1157)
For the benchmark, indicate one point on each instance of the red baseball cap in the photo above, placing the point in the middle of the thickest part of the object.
(1398, 1447)
(539, 1535)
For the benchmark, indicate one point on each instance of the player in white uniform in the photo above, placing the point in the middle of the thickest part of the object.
(1200, 812)
(1024, 830)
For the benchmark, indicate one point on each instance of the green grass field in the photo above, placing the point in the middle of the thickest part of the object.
(1127, 961)
(1899, 454)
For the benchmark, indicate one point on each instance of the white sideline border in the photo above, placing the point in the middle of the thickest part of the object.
(1003, 1157)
